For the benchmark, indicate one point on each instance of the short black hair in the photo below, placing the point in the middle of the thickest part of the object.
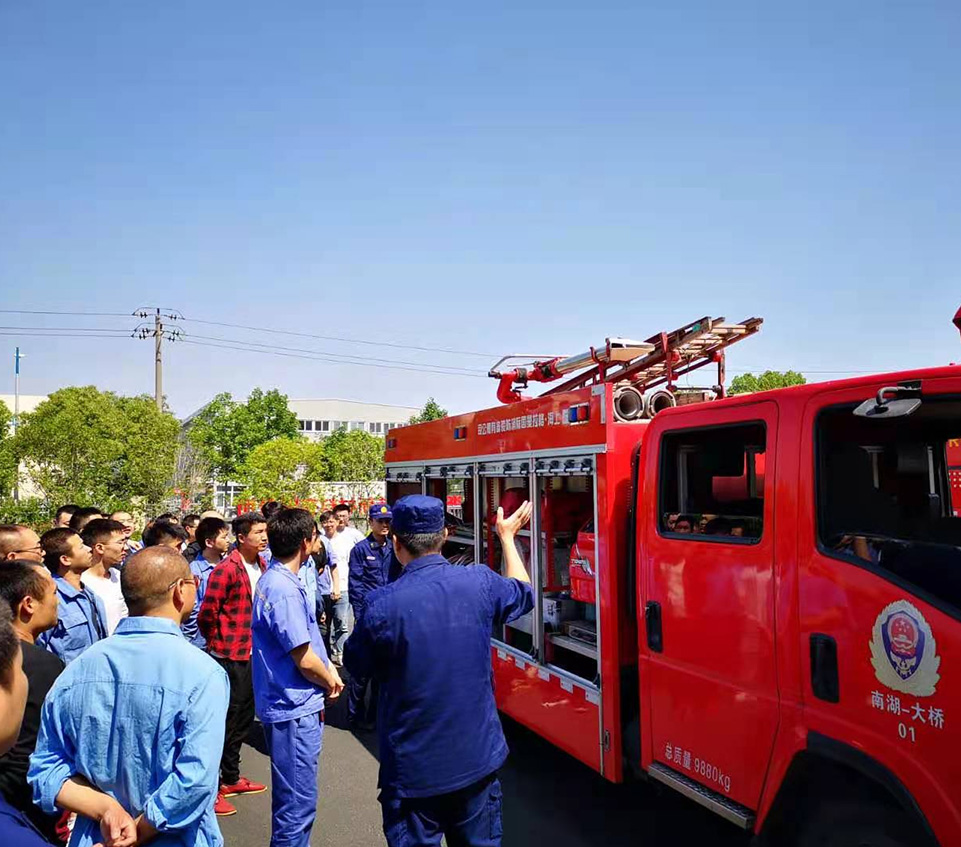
(19, 579)
(56, 543)
(66, 509)
(83, 516)
(287, 530)
(242, 524)
(269, 509)
(718, 526)
(166, 516)
(100, 530)
(159, 531)
(209, 528)
(9, 643)
(326, 515)
(190, 519)
(421, 543)
(341, 507)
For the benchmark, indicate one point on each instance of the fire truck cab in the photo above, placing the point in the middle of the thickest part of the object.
(755, 601)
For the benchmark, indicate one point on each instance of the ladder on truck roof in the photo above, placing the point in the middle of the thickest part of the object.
(640, 365)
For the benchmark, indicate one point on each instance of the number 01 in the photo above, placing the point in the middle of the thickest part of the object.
(906, 732)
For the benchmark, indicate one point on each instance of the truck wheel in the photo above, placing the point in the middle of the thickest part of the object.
(863, 825)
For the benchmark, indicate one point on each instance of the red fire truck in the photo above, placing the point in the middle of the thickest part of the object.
(754, 600)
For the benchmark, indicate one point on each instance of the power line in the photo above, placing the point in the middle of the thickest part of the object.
(65, 329)
(343, 339)
(72, 314)
(321, 358)
(93, 334)
(337, 357)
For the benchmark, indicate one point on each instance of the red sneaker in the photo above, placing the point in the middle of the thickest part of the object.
(242, 786)
(222, 808)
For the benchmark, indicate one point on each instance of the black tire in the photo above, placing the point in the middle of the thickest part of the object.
(862, 825)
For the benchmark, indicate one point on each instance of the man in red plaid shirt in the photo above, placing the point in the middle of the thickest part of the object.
(224, 620)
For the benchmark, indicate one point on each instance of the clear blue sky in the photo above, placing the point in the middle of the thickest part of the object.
(494, 177)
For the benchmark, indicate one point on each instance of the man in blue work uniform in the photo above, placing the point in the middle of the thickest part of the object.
(82, 618)
(139, 715)
(369, 565)
(211, 534)
(425, 638)
(291, 673)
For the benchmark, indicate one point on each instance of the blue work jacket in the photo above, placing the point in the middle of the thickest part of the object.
(284, 618)
(141, 715)
(369, 567)
(202, 569)
(425, 638)
(81, 621)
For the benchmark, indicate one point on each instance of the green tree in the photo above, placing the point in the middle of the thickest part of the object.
(283, 469)
(225, 431)
(88, 446)
(354, 456)
(432, 411)
(749, 383)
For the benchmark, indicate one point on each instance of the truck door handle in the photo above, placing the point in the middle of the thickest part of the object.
(652, 620)
(824, 668)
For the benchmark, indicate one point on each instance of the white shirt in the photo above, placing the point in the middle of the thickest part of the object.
(253, 572)
(108, 589)
(340, 546)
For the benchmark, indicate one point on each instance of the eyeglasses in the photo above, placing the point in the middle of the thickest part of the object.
(35, 549)
(192, 579)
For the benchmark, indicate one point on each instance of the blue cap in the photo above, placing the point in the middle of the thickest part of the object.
(380, 512)
(416, 514)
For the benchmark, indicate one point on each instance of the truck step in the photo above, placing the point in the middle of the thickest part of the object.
(717, 803)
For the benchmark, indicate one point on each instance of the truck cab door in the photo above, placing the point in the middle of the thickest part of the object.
(708, 672)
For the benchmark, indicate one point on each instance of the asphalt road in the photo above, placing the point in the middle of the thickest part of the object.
(549, 798)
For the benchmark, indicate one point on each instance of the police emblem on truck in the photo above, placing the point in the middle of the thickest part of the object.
(903, 650)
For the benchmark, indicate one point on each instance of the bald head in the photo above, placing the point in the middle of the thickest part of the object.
(19, 542)
(147, 577)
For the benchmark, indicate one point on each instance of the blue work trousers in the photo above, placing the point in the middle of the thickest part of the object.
(341, 623)
(294, 757)
(360, 707)
(470, 817)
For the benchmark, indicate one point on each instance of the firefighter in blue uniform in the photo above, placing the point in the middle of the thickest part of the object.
(369, 563)
(425, 639)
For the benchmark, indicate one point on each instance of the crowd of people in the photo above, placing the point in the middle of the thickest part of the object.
(132, 672)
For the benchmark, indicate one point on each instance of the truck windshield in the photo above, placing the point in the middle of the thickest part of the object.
(888, 493)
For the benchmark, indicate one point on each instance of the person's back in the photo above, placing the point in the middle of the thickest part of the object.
(425, 639)
(141, 716)
(437, 674)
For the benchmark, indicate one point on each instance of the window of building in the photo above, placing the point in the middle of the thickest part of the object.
(301, 425)
(309, 426)
(356, 425)
(712, 483)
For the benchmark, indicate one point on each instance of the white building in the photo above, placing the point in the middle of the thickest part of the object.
(317, 419)
(28, 402)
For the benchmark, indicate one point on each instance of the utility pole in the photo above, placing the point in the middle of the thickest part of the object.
(158, 365)
(17, 356)
(158, 332)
